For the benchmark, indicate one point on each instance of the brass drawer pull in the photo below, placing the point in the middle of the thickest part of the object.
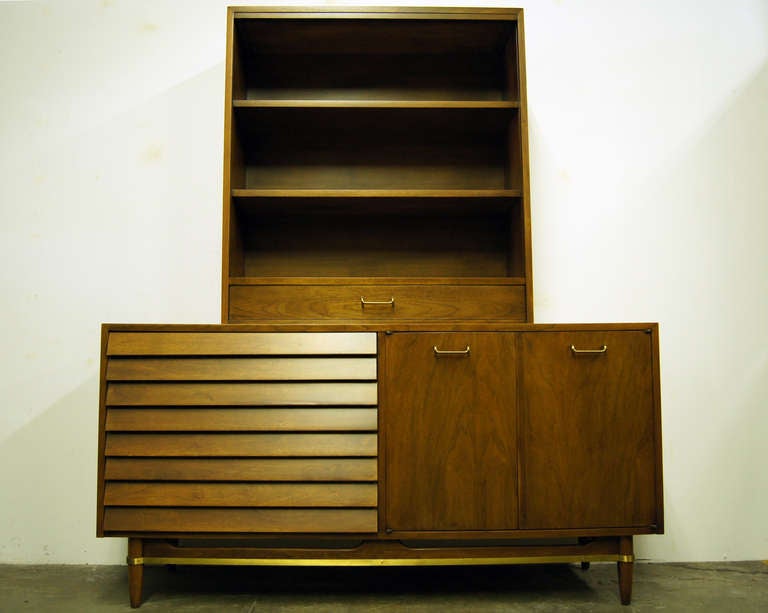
(457, 354)
(602, 349)
(364, 302)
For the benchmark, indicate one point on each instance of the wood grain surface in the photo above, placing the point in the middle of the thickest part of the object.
(450, 427)
(241, 369)
(240, 445)
(241, 494)
(241, 469)
(242, 394)
(157, 519)
(329, 302)
(587, 435)
(240, 420)
(240, 343)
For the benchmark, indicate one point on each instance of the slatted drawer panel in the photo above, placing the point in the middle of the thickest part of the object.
(237, 432)
(232, 470)
(125, 520)
(145, 419)
(241, 394)
(138, 494)
(240, 445)
(240, 343)
(228, 369)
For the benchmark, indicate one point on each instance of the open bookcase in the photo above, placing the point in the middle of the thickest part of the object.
(376, 167)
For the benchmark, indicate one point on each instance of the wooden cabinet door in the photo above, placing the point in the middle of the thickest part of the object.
(588, 430)
(450, 425)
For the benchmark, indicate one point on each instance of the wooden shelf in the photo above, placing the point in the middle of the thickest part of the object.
(377, 104)
(376, 193)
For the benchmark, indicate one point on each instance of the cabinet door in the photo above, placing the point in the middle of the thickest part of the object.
(587, 430)
(450, 431)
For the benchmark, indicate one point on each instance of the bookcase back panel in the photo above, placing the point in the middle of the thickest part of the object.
(371, 245)
(377, 59)
(331, 148)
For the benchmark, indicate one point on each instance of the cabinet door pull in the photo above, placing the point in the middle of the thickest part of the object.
(602, 349)
(364, 302)
(456, 354)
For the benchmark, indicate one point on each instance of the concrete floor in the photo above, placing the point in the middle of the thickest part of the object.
(740, 587)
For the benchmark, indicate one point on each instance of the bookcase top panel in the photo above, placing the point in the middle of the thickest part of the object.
(384, 12)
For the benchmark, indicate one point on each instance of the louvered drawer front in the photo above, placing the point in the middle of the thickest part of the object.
(238, 432)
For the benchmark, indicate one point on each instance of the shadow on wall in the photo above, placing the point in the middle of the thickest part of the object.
(48, 485)
(686, 238)
(706, 229)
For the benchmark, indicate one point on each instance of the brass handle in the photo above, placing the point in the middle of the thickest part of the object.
(602, 349)
(460, 353)
(364, 302)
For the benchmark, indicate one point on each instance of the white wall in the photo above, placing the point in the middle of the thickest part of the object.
(649, 156)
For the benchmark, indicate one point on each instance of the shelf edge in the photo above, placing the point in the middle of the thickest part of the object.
(268, 103)
(376, 281)
(376, 193)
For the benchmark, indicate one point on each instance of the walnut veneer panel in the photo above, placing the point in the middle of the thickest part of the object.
(241, 369)
(175, 520)
(241, 495)
(451, 431)
(588, 431)
(234, 420)
(240, 343)
(343, 302)
(259, 394)
(240, 469)
(239, 445)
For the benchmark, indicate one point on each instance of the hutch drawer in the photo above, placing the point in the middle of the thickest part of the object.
(377, 303)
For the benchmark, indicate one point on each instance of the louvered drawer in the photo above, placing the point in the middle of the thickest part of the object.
(238, 432)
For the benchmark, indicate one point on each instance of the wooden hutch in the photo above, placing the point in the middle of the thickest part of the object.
(377, 392)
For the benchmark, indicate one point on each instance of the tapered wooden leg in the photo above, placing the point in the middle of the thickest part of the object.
(625, 569)
(135, 571)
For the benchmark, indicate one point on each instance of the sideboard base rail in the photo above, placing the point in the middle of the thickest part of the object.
(150, 552)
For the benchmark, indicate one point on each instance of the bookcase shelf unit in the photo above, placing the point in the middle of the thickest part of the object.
(367, 148)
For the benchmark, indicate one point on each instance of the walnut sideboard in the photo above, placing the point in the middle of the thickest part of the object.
(377, 392)
(517, 443)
